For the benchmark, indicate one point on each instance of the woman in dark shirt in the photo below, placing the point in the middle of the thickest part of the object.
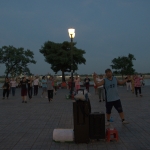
(23, 84)
(6, 88)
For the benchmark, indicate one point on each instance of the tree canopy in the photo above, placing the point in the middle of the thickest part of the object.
(16, 60)
(123, 65)
(59, 56)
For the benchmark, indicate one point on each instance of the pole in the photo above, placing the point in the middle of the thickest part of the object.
(71, 92)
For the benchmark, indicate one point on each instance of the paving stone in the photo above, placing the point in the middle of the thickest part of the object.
(31, 125)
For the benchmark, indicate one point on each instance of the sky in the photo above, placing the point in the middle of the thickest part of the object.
(105, 29)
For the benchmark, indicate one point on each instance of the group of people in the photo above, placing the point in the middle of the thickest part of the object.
(76, 83)
(134, 84)
(49, 85)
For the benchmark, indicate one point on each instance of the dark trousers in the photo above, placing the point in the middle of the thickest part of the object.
(13, 90)
(50, 94)
(87, 87)
(30, 92)
(137, 89)
(35, 89)
(5, 91)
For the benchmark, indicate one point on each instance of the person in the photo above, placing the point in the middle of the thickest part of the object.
(36, 84)
(30, 81)
(50, 89)
(87, 83)
(100, 89)
(77, 83)
(112, 96)
(55, 85)
(23, 84)
(6, 88)
(132, 83)
(13, 84)
(128, 83)
(69, 83)
(137, 85)
(142, 80)
(44, 86)
(95, 87)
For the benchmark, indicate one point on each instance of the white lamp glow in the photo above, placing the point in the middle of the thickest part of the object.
(71, 32)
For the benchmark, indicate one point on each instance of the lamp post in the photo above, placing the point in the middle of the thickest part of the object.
(71, 32)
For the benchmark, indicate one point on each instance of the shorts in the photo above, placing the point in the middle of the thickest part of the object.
(24, 92)
(116, 104)
(44, 89)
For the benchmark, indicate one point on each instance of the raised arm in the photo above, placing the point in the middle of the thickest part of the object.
(122, 82)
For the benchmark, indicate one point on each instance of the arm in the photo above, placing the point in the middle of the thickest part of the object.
(122, 82)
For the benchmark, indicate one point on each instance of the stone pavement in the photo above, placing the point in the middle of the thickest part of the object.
(30, 126)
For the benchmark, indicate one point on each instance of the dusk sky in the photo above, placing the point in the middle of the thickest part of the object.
(105, 29)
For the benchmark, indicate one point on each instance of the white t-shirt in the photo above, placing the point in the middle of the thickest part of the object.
(13, 83)
(36, 82)
(99, 80)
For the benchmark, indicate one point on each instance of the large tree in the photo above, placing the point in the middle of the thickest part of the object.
(59, 56)
(123, 65)
(16, 60)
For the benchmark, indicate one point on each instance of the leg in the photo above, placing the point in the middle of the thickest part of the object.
(8, 91)
(136, 91)
(103, 97)
(4, 92)
(99, 94)
(34, 90)
(48, 92)
(37, 90)
(29, 92)
(109, 106)
(51, 94)
(140, 91)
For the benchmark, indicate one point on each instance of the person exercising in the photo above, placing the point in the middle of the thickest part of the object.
(112, 96)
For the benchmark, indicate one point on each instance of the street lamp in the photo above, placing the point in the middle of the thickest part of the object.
(71, 32)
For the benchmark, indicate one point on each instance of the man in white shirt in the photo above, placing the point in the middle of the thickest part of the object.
(100, 89)
(36, 84)
(13, 86)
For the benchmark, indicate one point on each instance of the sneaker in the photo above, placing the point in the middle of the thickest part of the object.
(125, 122)
(46, 97)
(22, 101)
(25, 101)
(99, 100)
(107, 123)
(3, 98)
(141, 95)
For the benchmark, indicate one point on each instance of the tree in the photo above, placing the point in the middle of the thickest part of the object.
(16, 60)
(59, 56)
(123, 65)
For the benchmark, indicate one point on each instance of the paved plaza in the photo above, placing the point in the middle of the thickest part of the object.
(30, 126)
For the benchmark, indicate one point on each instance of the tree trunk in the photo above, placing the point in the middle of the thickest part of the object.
(63, 76)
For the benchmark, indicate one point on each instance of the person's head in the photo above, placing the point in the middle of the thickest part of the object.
(108, 73)
(43, 77)
(76, 77)
(86, 76)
